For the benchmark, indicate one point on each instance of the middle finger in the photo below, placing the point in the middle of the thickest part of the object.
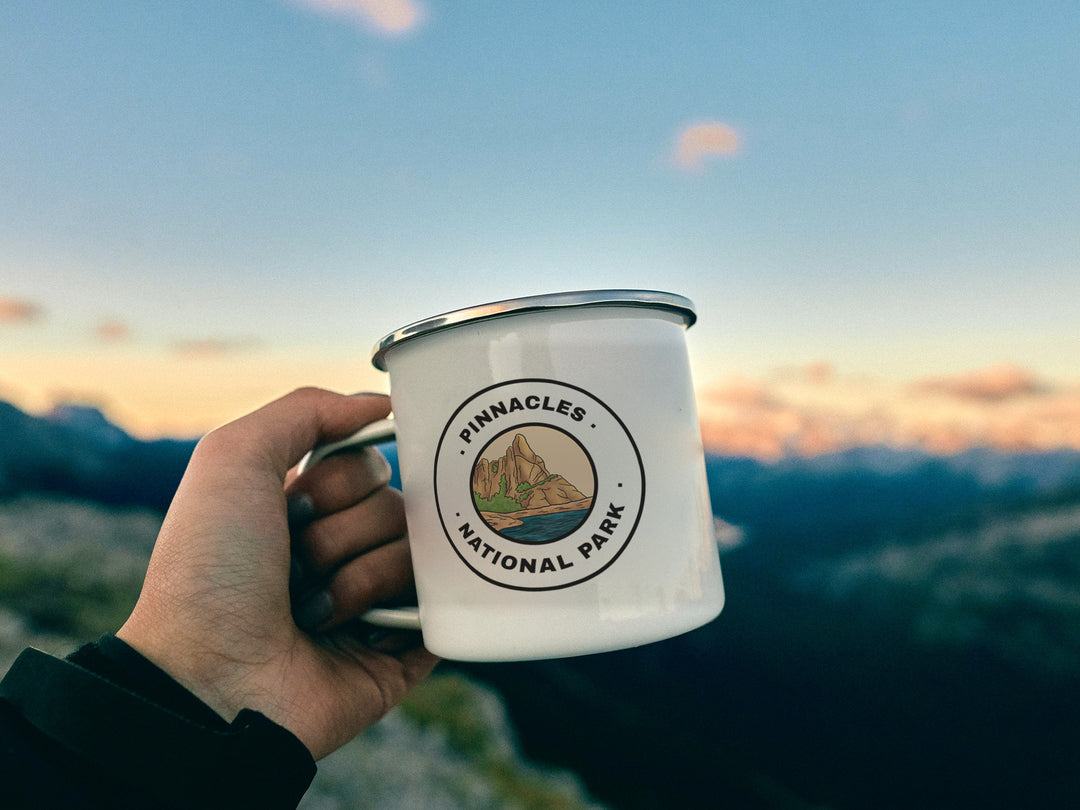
(330, 541)
(341, 480)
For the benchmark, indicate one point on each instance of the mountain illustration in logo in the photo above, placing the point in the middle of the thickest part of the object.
(513, 488)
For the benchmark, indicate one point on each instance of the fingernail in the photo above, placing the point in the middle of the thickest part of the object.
(300, 510)
(378, 467)
(314, 611)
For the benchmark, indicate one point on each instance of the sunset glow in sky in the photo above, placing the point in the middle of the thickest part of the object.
(875, 207)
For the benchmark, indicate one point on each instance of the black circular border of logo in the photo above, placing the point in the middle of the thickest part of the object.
(592, 466)
(618, 421)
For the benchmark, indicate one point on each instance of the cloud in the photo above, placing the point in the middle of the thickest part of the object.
(739, 392)
(392, 17)
(112, 332)
(208, 348)
(16, 310)
(699, 141)
(815, 410)
(744, 417)
(818, 372)
(992, 384)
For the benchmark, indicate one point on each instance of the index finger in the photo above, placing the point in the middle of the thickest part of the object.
(285, 429)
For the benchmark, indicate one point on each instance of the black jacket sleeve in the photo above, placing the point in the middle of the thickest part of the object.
(107, 728)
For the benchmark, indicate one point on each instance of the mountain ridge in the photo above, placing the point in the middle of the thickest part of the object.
(76, 450)
(520, 481)
(900, 632)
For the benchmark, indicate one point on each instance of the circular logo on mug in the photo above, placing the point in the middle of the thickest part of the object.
(538, 484)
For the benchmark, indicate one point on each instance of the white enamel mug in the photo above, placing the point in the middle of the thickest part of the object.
(553, 473)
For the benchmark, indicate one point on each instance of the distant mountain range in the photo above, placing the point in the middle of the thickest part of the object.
(902, 630)
(76, 451)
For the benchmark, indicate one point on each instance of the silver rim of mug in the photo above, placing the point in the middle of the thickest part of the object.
(647, 299)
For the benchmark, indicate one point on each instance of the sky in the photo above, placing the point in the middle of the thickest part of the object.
(874, 207)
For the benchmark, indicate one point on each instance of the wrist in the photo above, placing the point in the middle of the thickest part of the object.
(189, 759)
(122, 665)
(205, 675)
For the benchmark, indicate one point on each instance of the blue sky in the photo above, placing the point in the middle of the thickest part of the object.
(895, 191)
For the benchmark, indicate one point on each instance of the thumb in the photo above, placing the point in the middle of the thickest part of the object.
(287, 428)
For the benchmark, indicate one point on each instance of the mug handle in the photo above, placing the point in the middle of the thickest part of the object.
(374, 433)
(403, 618)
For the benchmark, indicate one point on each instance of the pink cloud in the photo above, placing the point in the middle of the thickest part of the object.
(699, 141)
(112, 332)
(16, 310)
(814, 410)
(818, 372)
(206, 348)
(745, 417)
(392, 17)
(739, 392)
(987, 384)
(1048, 422)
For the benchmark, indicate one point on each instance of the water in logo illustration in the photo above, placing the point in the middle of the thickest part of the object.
(533, 497)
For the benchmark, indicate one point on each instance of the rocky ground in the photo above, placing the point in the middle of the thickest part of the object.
(70, 571)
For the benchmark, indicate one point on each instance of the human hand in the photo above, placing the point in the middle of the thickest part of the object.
(215, 610)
